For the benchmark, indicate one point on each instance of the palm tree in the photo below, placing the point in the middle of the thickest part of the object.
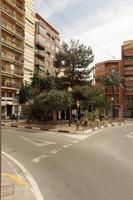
(98, 101)
(113, 80)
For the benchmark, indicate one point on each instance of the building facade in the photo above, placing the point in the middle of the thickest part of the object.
(17, 50)
(47, 41)
(12, 52)
(29, 43)
(127, 58)
(100, 72)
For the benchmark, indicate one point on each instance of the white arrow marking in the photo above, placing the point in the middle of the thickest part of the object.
(37, 142)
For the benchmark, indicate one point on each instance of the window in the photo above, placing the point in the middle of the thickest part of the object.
(40, 30)
(48, 35)
(128, 57)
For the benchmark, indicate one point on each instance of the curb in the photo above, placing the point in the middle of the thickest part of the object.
(63, 131)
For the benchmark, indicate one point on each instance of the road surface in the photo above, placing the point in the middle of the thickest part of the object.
(76, 167)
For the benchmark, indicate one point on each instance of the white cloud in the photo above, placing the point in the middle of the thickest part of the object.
(104, 27)
(49, 8)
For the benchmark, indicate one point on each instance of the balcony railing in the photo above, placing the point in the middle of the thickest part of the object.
(17, 4)
(128, 62)
(128, 72)
(12, 14)
(13, 72)
(129, 83)
(12, 57)
(40, 42)
(13, 44)
(40, 53)
(11, 28)
(11, 85)
(39, 62)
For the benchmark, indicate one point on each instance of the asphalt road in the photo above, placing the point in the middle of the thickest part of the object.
(99, 167)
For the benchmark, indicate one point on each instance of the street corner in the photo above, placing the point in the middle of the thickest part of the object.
(14, 182)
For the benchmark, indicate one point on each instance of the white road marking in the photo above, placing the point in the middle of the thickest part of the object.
(130, 135)
(66, 146)
(54, 151)
(37, 142)
(78, 136)
(33, 183)
(75, 141)
(36, 160)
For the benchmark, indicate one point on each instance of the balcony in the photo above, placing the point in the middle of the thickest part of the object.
(128, 62)
(14, 72)
(128, 72)
(9, 85)
(13, 15)
(40, 53)
(13, 58)
(39, 62)
(11, 29)
(14, 45)
(129, 83)
(20, 7)
(40, 43)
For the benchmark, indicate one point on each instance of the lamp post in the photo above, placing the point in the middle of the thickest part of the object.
(17, 97)
(70, 109)
(113, 107)
(113, 94)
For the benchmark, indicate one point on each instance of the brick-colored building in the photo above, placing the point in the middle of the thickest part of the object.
(47, 44)
(127, 58)
(100, 71)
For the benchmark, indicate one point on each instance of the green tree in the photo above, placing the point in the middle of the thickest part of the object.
(26, 93)
(77, 58)
(113, 80)
(55, 100)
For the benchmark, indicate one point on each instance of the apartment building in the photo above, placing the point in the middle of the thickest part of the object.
(127, 58)
(12, 52)
(29, 44)
(17, 49)
(47, 41)
(100, 71)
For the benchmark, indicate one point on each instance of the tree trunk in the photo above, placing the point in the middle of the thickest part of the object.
(54, 113)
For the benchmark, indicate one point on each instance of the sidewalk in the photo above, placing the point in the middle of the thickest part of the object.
(14, 184)
(61, 126)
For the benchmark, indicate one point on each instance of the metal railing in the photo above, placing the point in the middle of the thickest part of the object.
(39, 62)
(40, 52)
(12, 14)
(17, 4)
(13, 44)
(14, 72)
(6, 25)
(10, 85)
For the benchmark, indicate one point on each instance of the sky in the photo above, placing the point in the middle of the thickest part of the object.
(101, 24)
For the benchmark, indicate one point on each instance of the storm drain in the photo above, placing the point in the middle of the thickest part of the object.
(7, 192)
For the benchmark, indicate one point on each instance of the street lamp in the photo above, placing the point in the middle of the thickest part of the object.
(70, 110)
(113, 94)
(17, 97)
(113, 107)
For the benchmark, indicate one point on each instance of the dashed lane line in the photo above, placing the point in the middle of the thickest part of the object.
(38, 159)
